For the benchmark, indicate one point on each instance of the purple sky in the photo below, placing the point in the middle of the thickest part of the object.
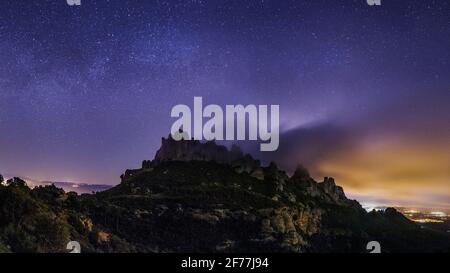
(364, 92)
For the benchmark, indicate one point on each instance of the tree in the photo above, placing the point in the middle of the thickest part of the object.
(16, 181)
(1, 179)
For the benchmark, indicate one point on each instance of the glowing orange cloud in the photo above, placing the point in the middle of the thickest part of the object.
(394, 170)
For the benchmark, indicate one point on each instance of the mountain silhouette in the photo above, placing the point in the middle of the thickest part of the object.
(203, 197)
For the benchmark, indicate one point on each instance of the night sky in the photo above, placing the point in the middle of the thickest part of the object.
(364, 91)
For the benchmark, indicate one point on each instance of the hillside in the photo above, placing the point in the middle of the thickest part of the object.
(200, 197)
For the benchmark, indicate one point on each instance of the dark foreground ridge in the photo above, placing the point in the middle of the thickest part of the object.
(202, 197)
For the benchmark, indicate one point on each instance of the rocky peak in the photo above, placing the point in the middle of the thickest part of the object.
(335, 192)
(301, 173)
(193, 150)
(189, 150)
(326, 190)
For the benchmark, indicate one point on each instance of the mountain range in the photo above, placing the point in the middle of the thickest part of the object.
(202, 197)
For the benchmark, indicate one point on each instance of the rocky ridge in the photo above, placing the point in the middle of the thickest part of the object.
(202, 197)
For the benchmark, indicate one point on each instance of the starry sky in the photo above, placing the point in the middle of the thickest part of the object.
(364, 91)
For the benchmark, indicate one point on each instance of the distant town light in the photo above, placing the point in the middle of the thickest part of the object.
(427, 220)
(438, 214)
(412, 211)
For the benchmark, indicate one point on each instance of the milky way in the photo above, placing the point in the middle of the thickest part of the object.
(364, 91)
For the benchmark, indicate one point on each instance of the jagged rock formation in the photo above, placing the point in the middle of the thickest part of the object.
(239, 205)
(327, 190)
(194, 150)
(189, 150)
(202, 197)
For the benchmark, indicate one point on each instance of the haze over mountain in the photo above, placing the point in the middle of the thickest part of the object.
(77, 187)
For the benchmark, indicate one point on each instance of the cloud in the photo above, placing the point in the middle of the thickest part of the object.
(389, 167)
(309, 145)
